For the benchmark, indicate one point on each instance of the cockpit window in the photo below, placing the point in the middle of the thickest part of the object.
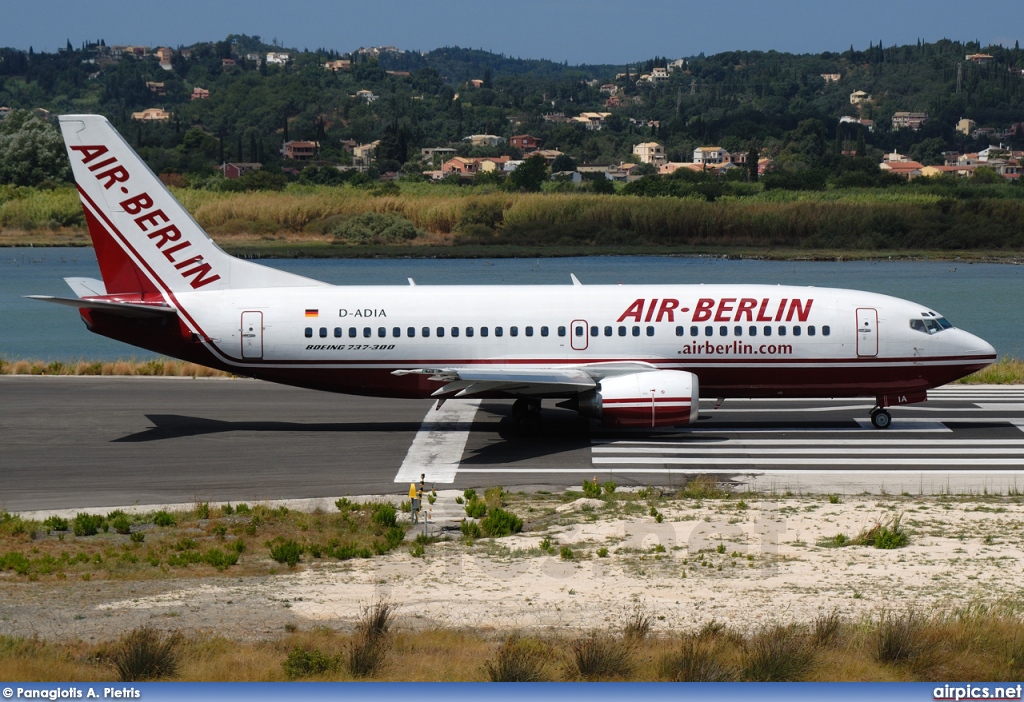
(930, 325)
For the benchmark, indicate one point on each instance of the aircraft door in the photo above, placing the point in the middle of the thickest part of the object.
(867, 332)
(579, 335)
(252, 335)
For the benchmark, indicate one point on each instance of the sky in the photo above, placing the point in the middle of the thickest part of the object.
(574, 31)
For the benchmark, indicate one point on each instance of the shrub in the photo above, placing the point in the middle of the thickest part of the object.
(346, 505)
(163, 518)
(518, 660)
(501, 523)
(86, 524)
(602, 552)
(609, 487)
(56, 523)
(776, 654)
(697, 659)
(471, 530)
(145, 654)
(303, 663)
(566, 553)
(468, 494)
(597, 656)
(121, 524)
(898, 638)
(367, 652)
(203, 510)
(826, 629)
(591, 489)
(286, 551)
(703, 487)
(219, 559)
(384, 514)
(16, 562)
(476, 508)
(376, 228)
(137, 537)
(494, 497)
(638, 624)
(886, 535)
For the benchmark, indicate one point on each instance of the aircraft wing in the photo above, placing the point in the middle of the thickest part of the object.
(121, 309)
(556, 380)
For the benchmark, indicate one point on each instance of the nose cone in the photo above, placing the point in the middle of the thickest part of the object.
(976, 346)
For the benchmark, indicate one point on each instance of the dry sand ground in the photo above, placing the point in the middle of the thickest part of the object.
(963, 551)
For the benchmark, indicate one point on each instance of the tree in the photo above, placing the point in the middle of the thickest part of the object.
(529, 175)
(753, 156)
(563, 162)
(31, 151)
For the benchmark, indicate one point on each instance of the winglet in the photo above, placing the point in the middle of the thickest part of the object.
(575, 281)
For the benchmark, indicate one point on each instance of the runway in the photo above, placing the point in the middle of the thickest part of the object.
(89, 442)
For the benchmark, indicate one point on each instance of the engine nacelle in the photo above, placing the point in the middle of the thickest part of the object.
(662, 398)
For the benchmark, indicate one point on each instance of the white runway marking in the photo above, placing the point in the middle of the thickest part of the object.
(439, 444)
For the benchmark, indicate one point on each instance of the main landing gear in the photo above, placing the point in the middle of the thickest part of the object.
(526, 416)
(880, 418)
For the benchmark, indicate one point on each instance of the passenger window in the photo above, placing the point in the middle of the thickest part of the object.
(323, 332)
(543, 331)
(752, 331)
(396, 331)
(595, 331)
(411, 332)
(455, 331)
(309, 332)
(498, 331)
(529, 331)
(382, 332)
(738, 331)
(337, 332)
(622, 331)
(440, 332)
(826, 330)
(561, 331)
(680, 331)
(512, 331)
(709, 331)
(367, 332)
(723, 330)
(484, 331)
(767, 331)
(782, 330)
(579, 330)
(694, 331)
(650, 331)
(425, 331)
(636, 331)
(607, 331)
(810, 330)
(469, 331)
(796, 331)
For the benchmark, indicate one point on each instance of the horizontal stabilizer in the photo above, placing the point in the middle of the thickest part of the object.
(121, 309)
(87, 287)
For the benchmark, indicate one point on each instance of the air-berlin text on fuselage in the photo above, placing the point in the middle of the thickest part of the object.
(724, 309)
(149, 220)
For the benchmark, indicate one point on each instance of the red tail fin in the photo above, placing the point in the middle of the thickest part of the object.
(120, 274)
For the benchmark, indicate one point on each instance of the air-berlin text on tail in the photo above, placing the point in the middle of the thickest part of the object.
(725, 309)
(149, 219)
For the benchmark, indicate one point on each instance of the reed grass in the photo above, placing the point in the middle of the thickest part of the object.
(1005, 371)
(975, 644)
(162, 367)
(866, 220)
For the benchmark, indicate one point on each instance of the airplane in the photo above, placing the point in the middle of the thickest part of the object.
(626, 355)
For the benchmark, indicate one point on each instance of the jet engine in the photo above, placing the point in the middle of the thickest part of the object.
(662, 398)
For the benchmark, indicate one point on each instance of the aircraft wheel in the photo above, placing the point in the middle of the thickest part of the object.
(881, 419)
(526, 417)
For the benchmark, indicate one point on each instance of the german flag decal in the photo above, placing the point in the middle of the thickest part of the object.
(312, 313)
